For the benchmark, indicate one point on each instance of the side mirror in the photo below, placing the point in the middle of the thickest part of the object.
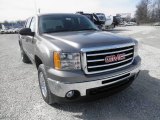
(26, 31)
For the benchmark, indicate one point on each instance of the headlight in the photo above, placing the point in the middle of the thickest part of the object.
(67, 61)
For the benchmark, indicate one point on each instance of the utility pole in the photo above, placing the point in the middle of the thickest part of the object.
(39, 10)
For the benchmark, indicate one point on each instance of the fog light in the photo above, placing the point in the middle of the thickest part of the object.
(70, 94)
(73, 94)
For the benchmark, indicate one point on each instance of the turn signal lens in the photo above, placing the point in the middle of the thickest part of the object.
(66, 61)
(57, 61)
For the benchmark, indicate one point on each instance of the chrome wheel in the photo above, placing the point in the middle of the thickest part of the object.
(42, 84)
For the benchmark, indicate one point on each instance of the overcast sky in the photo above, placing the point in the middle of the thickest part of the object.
(22, 9)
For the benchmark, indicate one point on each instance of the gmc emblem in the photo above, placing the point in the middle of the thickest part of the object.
(115, 58)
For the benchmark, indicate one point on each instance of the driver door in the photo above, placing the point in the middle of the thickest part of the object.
(31, 39)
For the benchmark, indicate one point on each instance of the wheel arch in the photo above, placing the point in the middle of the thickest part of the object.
(38, 61)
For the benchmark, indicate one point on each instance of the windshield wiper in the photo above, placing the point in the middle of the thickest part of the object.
(70, 30)
(90, 29)
(56, 31)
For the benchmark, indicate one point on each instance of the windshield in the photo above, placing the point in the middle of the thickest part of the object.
(63, 23)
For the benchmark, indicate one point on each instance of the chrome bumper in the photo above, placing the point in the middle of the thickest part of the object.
(60, 89)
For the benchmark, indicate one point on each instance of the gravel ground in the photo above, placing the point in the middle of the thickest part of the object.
(20, 97)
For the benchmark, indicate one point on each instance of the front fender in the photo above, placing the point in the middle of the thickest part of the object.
(44, 53)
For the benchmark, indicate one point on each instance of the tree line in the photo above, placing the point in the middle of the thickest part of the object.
(148, 11)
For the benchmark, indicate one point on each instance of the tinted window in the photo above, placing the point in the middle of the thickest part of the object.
(60, 23)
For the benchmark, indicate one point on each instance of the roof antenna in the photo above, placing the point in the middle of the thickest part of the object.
(39, 10)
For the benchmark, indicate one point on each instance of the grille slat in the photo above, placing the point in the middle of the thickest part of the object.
(110, 63)
(107, 53)
(95, 60)
(103, 56)
(103, 59)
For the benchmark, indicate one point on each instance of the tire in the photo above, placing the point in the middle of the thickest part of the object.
(43, 84)
(24, 57)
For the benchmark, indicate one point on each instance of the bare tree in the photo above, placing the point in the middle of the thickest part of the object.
(142, 11)
(158, 10)
(148, 11)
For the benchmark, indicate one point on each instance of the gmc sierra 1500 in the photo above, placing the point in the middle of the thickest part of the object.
(75, 59)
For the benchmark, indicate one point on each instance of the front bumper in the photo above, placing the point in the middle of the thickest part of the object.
(60, 88)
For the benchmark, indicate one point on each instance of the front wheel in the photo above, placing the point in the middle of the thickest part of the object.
(45, 91)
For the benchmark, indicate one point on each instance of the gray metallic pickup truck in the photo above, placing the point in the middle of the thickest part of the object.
(75, 59)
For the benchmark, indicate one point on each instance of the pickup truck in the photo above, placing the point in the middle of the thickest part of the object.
(76, 60)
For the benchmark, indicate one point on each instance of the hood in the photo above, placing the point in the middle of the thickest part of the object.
(85, 39)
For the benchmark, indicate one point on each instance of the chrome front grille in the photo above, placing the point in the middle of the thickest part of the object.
(95, 59)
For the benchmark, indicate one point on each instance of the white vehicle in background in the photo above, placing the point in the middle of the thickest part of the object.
(130, 23)
(109, 22)
(17, 30)
(156, 24)
(4, 31)
(9, 31)
(13, 30)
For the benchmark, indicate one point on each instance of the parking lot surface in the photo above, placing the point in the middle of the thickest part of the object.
(20, 97)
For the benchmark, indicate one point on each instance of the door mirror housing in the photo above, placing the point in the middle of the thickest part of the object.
(26, 31)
